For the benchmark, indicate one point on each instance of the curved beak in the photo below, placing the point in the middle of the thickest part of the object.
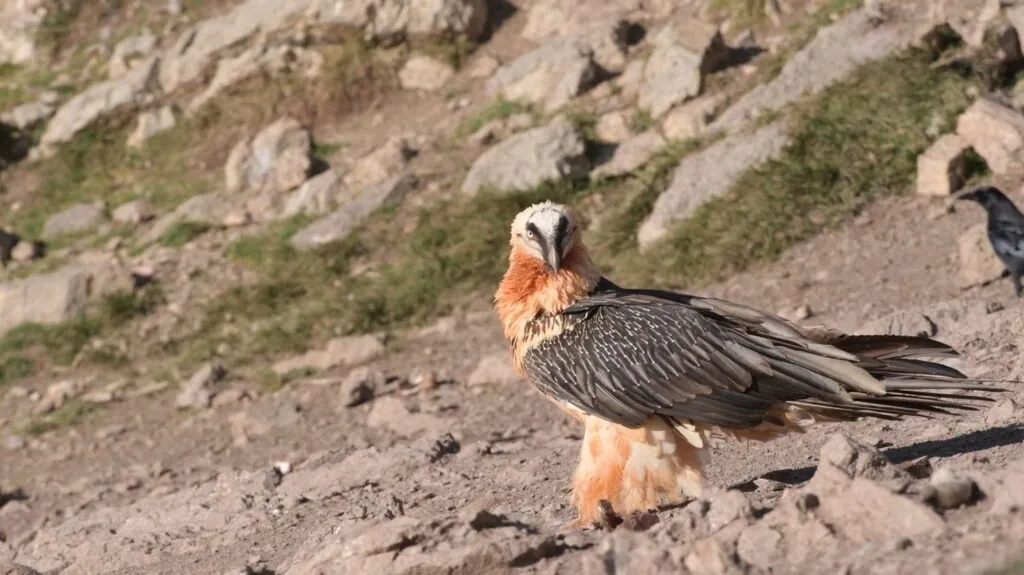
(553, 257)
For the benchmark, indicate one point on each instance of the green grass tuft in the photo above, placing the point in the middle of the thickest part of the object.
(499, 109)
(72, 413)
(857, 141)
(182, 233)
(14, 367)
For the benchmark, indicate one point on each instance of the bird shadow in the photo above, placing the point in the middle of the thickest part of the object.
(962, 444)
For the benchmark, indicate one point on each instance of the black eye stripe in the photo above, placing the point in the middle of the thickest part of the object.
(560, 230)
(537, 236)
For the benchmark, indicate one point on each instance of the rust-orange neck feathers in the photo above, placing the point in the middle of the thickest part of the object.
(528, 289)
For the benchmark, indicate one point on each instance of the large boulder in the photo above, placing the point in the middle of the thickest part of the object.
(97, 101)
(353, 211)
(834, 53)
(710, 173)
(995, 132)
(549, 76)
(530, 158)
(276, 160)
(392, 20)
(422, 72)
(58, 296)
(684, 52)
(19, 22)
(78, 219)
(197, 47)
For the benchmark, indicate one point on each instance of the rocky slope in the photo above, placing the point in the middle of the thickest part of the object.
(249, 248)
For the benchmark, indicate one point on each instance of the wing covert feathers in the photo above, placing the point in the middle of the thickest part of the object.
(624, 355)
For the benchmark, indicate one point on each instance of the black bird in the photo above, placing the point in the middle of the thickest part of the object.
(1005, 230)
(7, 242)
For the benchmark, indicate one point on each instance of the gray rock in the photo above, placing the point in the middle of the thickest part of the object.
(197, 47)
(229, 72)
(353, 211)
(496, 369)
(78, 219)
(381, 164)
(19, 22)
(950, 490)
(276, 160)
(549, 76)
(209, 209)
(358, 388)
(58, 296)
(150, 124)
(940, 169)
(484, 66)
(127, 49)
(684, 52)
(978, 263)
(27, 251)
(346, 351)
(995, 132)
(133, 212)
(530, 158)
(632, 154)
(198, 392)
(422, 72)
(317, 196)
(613, 127)
(710, 173)
(26, 116)
(835, 52)
(599, 24)
(391, 20)
(57, 395)
(97, 101)
(390, 413)
(691, 119)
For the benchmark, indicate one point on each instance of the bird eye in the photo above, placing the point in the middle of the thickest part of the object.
(529, 234)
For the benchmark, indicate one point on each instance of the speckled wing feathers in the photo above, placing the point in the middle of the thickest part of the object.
(625, 355)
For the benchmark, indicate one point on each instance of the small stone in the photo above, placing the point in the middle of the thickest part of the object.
(390, 413)
(230, 397)
(424, 73)
(941, 168)
(133, 212)
(632, 154)
(57, 395)
(978, 262)
(358, 388)
(995, 132)
(494, 369)
(613, 127)
(951, 490)
(1002, 412)
(151, 124)
(484, 67)
(198, 391)
(78, 219)
(803, 312)
(14, 443)
(27, 251)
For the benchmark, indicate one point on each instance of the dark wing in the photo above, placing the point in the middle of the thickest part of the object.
(625, 355)
(1006, 232)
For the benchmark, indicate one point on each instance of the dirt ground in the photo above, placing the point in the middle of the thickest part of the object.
(141, 488)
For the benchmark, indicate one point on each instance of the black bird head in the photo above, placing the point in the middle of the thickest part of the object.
(988, 196)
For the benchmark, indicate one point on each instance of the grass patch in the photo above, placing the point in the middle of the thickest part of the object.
(72, 413)
(455, 250)
(499, 109)
(857, 141)
(14, 367)
(641, 121)
(60, 342)
(182, 233)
